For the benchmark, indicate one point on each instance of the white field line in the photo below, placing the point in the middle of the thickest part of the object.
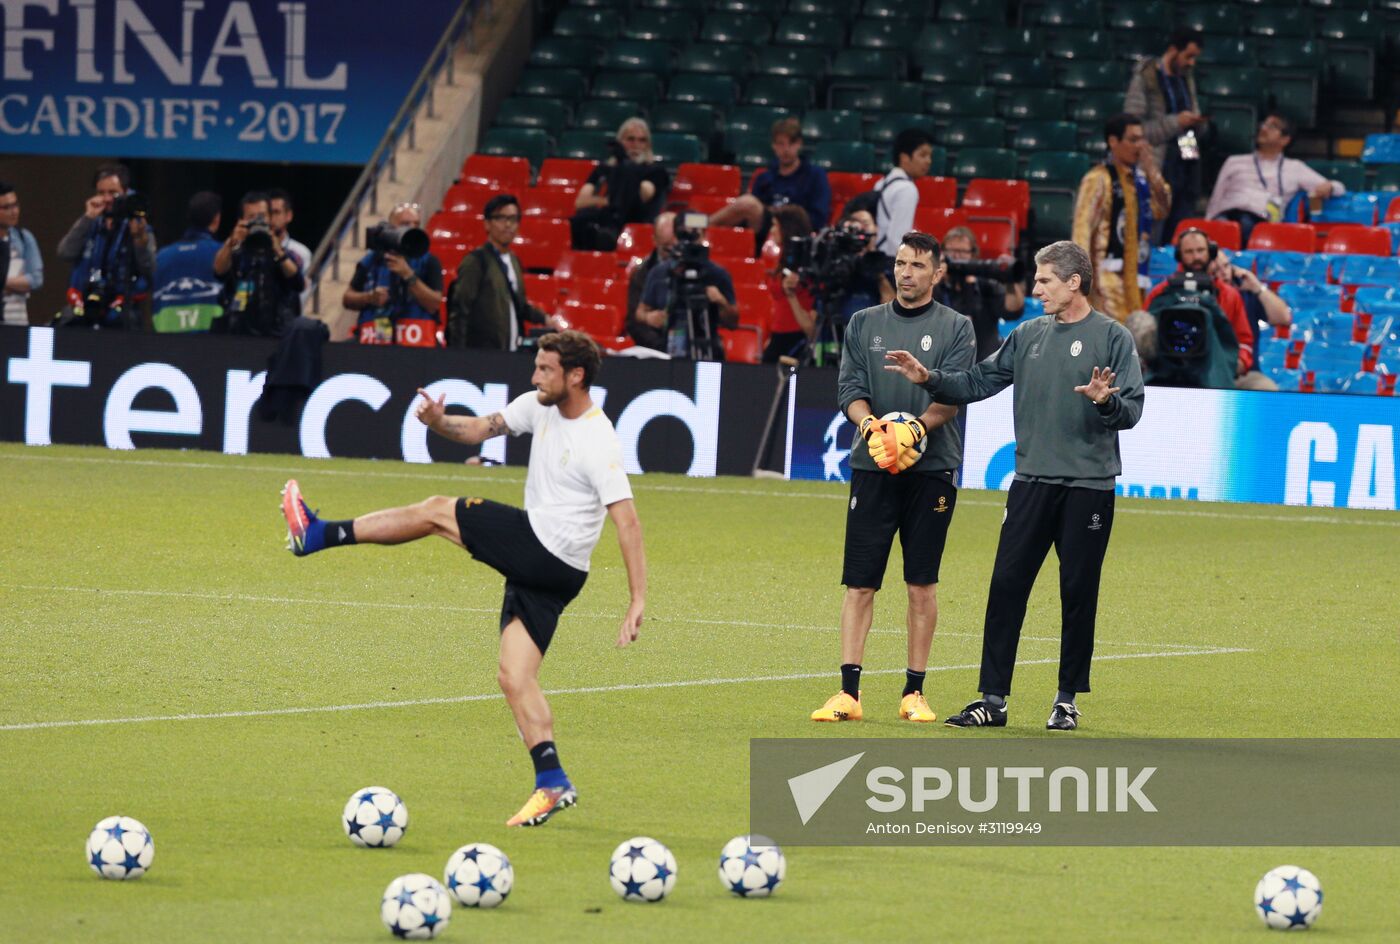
(310, 467)
(447, 607)
(639, 686)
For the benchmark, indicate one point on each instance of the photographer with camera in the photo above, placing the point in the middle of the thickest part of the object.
(650, 330)
(695, 295)
(113, 253)
(986, 290)
(793, 323)
(262, 282)
(870, 283)
(397, 286)
(629, 187)
(1201, 320)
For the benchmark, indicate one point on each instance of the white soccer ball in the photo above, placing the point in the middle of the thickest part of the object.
(120, 847)
(479, 875)
(415, 906)
(899, 417)
(375, 816)
(642, 870)
(1288, 897)
(752, 866)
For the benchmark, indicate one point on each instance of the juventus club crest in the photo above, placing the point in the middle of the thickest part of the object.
(1075, 348)
(925, 342)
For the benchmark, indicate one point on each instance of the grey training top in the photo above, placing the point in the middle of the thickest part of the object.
(1061, 436)
(939, 337)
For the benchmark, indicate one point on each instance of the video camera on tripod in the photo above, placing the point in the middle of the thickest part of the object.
(690, 331)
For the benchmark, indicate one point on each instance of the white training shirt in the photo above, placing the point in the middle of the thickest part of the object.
(575, 472)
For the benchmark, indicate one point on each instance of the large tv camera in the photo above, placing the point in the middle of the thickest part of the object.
(1005, 271)
(829, 260)
(1183, 329)
(689, 330)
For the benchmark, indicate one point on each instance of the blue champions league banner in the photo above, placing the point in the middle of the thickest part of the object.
(1207, 445)
(258, 80)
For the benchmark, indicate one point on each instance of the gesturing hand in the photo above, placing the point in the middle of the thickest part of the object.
(429, 411)
(631, 625)
(1100, 386)
(907, 366)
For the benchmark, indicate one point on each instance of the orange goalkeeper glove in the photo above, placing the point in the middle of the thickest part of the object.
(899, 445)
(872, 430)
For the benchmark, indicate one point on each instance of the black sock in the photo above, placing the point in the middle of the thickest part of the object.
(339, 532)
(850, 680)
(913, 681)
(996, 701)
(1065, 697)
(545, 757)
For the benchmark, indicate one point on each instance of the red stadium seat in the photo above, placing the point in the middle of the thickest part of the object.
(590, 265)
(712, 179)
(845, 185)
(1287, 237)
(542, 291)
(748, 271)
(741, 346)
(509, 174)
(551, 203)
(755, 305)
(541, 243)
(451, 254)
(994, 237)
(1392, 213)
(455, 226)
(598, 319)
(610, 292)
(707, 203)
(636, 241)
(566, 173)
(1225, 233)
(938, 220)
(1352, 240)
(939, 191)
(986, 197)
(727, 242)
(468, 198)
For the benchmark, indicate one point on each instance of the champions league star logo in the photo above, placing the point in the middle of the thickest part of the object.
(834, 455)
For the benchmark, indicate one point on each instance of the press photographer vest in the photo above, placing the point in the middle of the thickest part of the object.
(403, 321)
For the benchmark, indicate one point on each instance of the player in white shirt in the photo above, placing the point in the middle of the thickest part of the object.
(575, 479)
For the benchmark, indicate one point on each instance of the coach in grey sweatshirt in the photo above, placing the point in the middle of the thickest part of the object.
(1077, 383)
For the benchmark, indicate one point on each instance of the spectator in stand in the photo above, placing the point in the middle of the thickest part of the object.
(650, 330)
(1257, 187)
(1113, 214)
(1196, 253)
(187, 288)
(793, 322)
(629, 187)
(487, 307)
(20, 263)
(262, 281)
(1261, 304)
(112, 263)
(1162, 93)
(789, 179)
(986, 301)
(898, 195)
(398, 297)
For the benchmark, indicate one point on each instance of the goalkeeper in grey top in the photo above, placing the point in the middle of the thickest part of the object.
(903, 473)
(1077, 383)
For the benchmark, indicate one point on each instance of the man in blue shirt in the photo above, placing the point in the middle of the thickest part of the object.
(788, 179)
(719, 293)
(187, 290)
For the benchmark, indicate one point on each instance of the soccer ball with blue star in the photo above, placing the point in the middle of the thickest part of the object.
(642, 869)
(1288, 898)
(375, 817)
(752, 866)
(416, 907)
(479, 875)
(120, 847)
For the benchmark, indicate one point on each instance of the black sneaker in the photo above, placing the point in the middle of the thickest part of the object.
(979, 714)
(1063, 717)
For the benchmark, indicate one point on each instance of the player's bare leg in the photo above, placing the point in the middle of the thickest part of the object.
(857, 615)
(307, 533)
(519, 678)
(922, 620)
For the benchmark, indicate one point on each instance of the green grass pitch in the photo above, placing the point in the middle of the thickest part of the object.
(155, 584)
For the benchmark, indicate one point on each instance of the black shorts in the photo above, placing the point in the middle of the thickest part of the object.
(917, 505)
(538, 584)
